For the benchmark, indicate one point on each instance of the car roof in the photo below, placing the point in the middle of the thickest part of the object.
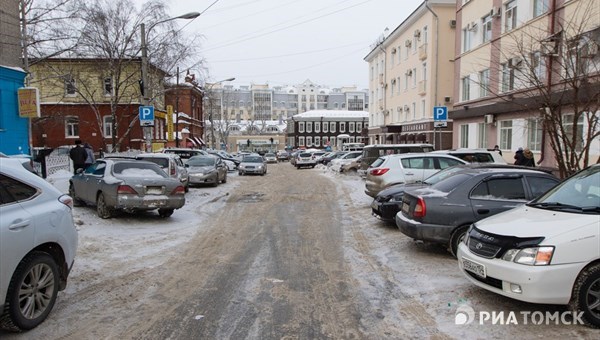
(157, 155)
(500, 168)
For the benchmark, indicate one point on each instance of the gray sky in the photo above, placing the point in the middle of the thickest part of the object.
(283, 42)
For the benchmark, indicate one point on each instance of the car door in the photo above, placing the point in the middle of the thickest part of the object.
(495, 194)
(413, 168)
(91, 182)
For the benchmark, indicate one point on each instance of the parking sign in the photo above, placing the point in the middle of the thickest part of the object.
(146, 115)
(440, 113)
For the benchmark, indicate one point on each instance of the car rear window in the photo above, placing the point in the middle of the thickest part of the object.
(378, 162)
(475, 157)
(138, 170)
(162, 162)
(448, 184)
(305, 154)
(12, 190)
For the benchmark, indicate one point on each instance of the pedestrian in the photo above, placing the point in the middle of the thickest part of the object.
(528, 159)
(497, 148)
(89, 160)
(519, 157)
(78, 155)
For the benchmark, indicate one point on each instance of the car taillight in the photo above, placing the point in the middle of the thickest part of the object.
(180, 190)
(66, 200)
(419, 208)
(126, 189)
(379, 171)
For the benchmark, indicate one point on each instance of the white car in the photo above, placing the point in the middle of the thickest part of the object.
(547, 251)
(336, 164)
(38, 242)
(474, 155)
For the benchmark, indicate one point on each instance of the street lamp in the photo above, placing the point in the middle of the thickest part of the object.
(210, 113)
(145, 97)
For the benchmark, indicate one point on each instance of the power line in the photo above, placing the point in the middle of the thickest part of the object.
(250, 15)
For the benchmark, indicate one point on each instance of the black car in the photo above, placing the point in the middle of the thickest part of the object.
(443, 212)
(388, 202)
(333, 155)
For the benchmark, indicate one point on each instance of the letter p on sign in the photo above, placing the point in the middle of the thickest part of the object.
(440, 113)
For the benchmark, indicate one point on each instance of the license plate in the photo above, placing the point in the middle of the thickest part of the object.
(249, 167)
(405, 208)
(154, 190)
(474, 267)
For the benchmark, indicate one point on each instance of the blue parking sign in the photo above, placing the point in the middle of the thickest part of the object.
(440, 113)
(146, 115)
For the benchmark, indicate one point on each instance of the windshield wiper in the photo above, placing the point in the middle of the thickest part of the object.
(561, 206)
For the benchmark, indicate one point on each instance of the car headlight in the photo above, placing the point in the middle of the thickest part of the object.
(535, 256)
(242, 166)
(260, 166)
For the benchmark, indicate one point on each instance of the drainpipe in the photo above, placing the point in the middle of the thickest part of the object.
(548, 79)
(436, 56)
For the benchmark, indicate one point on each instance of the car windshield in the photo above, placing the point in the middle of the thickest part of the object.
(134, 169)
(579, 193)
(252, 159)
(269, 155)
(201, 161)
(184, 154)
(305, 154)
(162, 162)
(438, 176)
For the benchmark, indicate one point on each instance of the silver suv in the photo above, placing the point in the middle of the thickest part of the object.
(38, 242)
(171, 163)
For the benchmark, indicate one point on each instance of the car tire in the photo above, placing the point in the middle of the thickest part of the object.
(164, 213)
(76, 201)
(586, 291)
(457, 237)
(102, 209)
(38, 269)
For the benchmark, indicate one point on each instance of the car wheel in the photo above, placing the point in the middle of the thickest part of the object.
(165, 212)
(32, 292)
(457, 237)
(102, 209)
(76, 201)
(586, 296)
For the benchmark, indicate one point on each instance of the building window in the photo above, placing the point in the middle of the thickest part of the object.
(317, 127)
(423, 113)
(466, 39)
(539, 7)
(107, 126)
(70, 86)
(351, 127)
(568, 126)
(534, 134)
(309, 141)
(71, 127)
(537, 67)
(108, 87)
(487, 28)
(414, 110)
(336, 105)
(414, 77)
(342, 127)
(424, 74)
(309, 127)
(466, 88)
(510, 16)
(359, 127)
(325, 141)
(325, 127)
(508, 77)
(424, 35)
(484, 83)
(301, 127)
(464, 136)
(332, 127)
(506, 134)
(301, 141)
(482, 137)
(317, 141)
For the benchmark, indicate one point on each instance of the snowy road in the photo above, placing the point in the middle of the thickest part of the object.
(291, 255)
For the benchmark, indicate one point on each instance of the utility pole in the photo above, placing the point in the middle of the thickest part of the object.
(177, 110)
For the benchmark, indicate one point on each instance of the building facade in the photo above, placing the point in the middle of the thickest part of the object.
(326, 128)
(410, 73)
(521, 68)
(188, 117)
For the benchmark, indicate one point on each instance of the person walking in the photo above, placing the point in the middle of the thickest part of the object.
(78, 155)
(89, 160)
(519, 157)
(528, 159)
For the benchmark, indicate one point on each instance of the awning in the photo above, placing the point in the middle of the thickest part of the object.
(189, 139)
(403, 138)
(389, 137)
(421, 137)
(199, 141)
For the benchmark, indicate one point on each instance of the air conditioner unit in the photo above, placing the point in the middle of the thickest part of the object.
(417, 33)
(398, 109)
(489, 119)
(406, 108)
(393, 50)
(409, 73)
(472, 26)
(407, 43)
(496, 12)
(452, 23)
(447, 99)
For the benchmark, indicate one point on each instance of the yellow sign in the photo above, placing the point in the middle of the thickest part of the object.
(170, 137)
(29, 102)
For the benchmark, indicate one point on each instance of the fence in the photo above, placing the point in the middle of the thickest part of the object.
(55, 163)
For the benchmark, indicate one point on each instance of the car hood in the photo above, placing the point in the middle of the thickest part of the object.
(396, 189)
(525, 221)
(250, 164)
(195, 169)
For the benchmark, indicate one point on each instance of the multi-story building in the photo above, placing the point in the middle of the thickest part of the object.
(188, 123)
(84, 99)
(521, 69)
(322, 128)
(410, 73)
(14, 131)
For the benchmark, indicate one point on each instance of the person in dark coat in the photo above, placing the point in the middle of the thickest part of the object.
(78, 155)
(90, 155)
(519, 157)
(528, 159)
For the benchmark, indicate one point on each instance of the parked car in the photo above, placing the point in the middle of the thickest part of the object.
(185, 153)
(206, 170)
(26, 161)
(38, 242)
(293, 156)
(547, 251)
(388, 202)
(443, 212)
(231, 162)
(336, 164)
(351, 166)
(372, 152)
(305, 160)
(270, 158)
(171, 163)
(405, 168)
(252, 164)
(475, 155)
(113, 184)
(283, 156)
(331, 156)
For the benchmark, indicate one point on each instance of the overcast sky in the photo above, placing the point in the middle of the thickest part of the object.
(285, 42)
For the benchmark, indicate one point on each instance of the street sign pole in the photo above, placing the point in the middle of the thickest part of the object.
(440, 120)
(147, 121)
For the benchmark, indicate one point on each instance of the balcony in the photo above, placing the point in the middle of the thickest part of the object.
(422, 87)
(423, 52)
